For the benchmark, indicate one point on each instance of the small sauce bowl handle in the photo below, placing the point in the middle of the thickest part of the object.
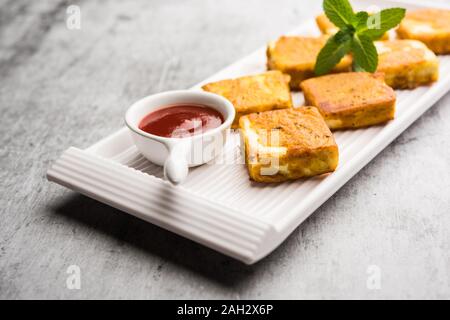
(176, 167)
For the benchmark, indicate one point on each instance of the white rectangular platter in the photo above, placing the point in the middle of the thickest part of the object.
(218, 206)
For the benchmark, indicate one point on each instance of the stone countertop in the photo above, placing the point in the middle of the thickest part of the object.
(385, 234)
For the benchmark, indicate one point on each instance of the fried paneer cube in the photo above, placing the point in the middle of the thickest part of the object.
(297, 56)
(431, 26)
(261, 92)
(351, 100)
(287, 144)
(407, 64)
(327, 27)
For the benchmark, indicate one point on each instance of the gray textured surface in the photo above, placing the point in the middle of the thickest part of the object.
(60, 88)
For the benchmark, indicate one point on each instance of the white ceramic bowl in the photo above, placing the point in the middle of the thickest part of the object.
(178, 154)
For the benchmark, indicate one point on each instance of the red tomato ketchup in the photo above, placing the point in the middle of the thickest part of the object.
(181, 120)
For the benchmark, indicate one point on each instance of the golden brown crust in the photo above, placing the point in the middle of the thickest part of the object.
(363, 99)
(261, 92)
(431, 26)
(296, 56)
(407, 63)
(299, 129)
(325, 25)
(299, 139)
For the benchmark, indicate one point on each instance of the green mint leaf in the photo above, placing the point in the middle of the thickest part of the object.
(343, 36)
(365, 54)
(361, 20)
(333, 51)
(379, 23)
(357, 67)
(339, 12)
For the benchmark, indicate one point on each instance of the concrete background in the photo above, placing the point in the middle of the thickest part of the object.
(61, 87)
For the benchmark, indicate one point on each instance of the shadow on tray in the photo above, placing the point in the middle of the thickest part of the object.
(153, 240)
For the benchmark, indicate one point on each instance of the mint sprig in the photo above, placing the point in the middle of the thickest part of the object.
(388, 18)
(365, 56)
(333, 51)
(357, 31)
(339, 12)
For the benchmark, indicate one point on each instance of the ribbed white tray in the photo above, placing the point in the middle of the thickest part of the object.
(218, 206)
